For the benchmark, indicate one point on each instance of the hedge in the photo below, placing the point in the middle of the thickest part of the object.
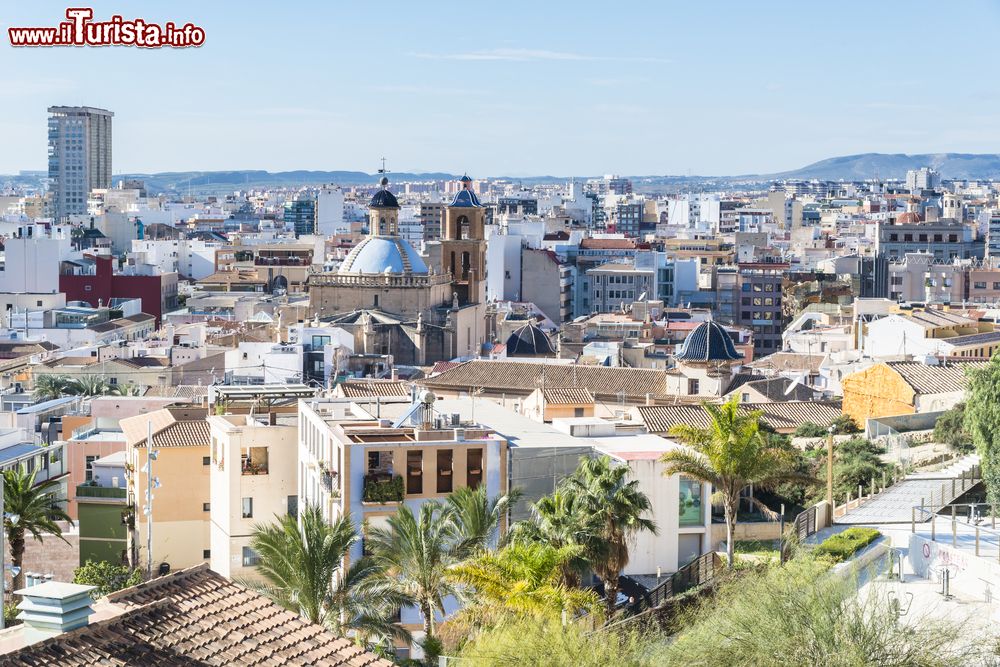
(843, 545)
(377, 491)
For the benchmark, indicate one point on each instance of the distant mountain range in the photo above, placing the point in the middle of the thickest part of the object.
(847, 167)
(895, 165)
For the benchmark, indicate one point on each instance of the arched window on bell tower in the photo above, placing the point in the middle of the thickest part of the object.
(463, 228)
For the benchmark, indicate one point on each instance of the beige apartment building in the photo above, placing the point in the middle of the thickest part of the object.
(180, 508)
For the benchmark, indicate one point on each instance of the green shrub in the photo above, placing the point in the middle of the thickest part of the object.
(843, 545)
(845, 424)
(388, 491)
(809, 430)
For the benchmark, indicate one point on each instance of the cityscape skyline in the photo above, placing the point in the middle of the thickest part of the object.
(754, 91)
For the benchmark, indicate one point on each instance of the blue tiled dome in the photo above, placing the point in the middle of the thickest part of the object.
(466, 199)
(529, 341)
(384, 199)
(381, 254)
(708, 342)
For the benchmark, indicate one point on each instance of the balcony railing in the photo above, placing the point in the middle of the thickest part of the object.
(110, 492)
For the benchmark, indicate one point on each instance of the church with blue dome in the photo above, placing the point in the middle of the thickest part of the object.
(402, 303)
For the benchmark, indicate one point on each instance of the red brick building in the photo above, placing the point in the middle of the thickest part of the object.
(99, 283)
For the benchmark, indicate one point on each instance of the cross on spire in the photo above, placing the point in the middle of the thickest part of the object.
(383, 170)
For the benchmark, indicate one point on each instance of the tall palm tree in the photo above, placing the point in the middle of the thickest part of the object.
(615, 506)
(88, 385)
(520, 579)
(416, 552)
(48, 387)
(302, 571)
(732, 453)
(29, 509)
(559, 521)
(476, 517)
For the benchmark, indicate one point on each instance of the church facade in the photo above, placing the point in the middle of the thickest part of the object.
(394, 303)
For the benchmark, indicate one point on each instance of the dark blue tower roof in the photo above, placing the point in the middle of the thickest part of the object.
(708, 342)
(384, 199)
(465, 199)
(529, 341)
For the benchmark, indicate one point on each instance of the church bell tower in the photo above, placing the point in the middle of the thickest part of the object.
(463, 245)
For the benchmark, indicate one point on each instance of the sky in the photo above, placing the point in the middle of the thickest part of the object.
(517, 88)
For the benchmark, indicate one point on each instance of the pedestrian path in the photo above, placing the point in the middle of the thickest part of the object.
(927, 489)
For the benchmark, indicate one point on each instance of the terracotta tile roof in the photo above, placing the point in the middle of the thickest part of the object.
(925, 379)
(607, 244)
(143, 362)
(525, 377)
(172, 427)
(932, 319)
(442, 366)
(195, 617)
(781, 416)
(366, 388)
(789, 361)
(567, 395)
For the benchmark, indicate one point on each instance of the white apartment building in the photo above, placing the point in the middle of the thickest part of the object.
(264, 363)
(191, 258)
(252, 480)
(330, 212)
(32, 257)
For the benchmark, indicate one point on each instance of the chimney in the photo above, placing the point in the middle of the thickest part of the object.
(52, 608)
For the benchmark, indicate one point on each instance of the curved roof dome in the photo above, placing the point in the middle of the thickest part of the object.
(529, 341)
(708, 342)
(381, 254)
(384, 199)
(465, 199)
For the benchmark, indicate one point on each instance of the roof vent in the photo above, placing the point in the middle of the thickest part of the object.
(52, 608)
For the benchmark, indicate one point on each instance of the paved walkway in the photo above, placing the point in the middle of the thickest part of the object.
(896, 503)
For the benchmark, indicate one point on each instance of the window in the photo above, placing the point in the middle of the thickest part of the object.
(414, 472)
(745, 398)
(374, 460)
(996, 285)
(444, 466)
(375, 304)
(577, 412)
(206, 460)
(691, 508)
(250, 557)
(693, 387)
(206, 553)
(292, 506)
(206, 507)
(979, 285)
(90, 467)
(896, 280)
(474, 468)
(320, 341)
(247, 508)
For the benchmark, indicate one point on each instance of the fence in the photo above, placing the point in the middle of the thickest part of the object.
(973, 513)
(699, 571)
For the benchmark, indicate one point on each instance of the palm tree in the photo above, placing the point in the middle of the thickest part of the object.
(520, 579)
(302, 571)
(416, 552)
(615, 506)
(88, 385)
(29, 508)
(732, 453)
(49, 387)
(559, 521)
(476, 517)
(128, 389)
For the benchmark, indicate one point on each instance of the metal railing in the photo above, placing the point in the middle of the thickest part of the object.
(867, 492)
(701, 570)
(973, 515)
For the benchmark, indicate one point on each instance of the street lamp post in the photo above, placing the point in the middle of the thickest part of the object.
(151, 483)
(829, 470)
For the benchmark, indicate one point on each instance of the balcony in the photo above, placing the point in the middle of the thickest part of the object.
(254, 461)
(88, 491)
(383, 489)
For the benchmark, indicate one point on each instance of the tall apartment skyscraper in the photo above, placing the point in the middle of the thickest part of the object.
(79, 156)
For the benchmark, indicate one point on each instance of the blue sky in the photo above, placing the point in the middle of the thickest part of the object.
(518, 88)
